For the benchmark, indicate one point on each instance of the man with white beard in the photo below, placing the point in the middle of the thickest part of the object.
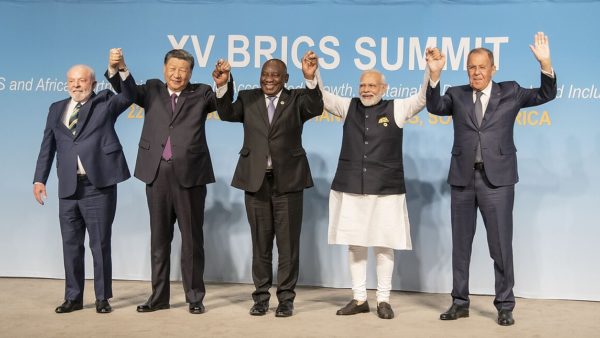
(367, 204)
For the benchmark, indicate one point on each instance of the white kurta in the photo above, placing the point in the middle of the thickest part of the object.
(371, 220)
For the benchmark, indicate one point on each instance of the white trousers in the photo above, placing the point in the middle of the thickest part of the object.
(357, 257)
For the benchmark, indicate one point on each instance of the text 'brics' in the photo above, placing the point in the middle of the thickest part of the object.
(389, 53)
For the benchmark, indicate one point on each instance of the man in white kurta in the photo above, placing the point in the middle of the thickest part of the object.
(367, 202)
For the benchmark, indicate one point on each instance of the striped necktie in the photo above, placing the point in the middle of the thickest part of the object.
(73, 118)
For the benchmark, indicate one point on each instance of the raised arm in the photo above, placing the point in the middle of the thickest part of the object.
(116, 65)
(334, 104)
(119, 103)
(541, 51)
(437, 104)
(228, 111)
(547, 91)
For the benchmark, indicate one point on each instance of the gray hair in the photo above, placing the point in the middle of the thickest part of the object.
(482, 50)
(86, 67)
(374, 71)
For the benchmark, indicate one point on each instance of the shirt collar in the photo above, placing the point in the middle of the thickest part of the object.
(74, 103)
(276, 95)
(486, 91)
(172, 92)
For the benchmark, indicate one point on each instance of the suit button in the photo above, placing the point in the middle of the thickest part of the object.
(366, 116)
(367, 128)
(364, 169)
(364, 156)
(170, 127)
(366, 142)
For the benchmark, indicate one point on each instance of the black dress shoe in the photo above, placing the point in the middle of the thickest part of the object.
(69, 306)
(284, 309)
(505, 318)
(197, 308)
(455, 311)
(384, 310)
(353, 308)
(259, 309)
(148, 308)
(102, 306)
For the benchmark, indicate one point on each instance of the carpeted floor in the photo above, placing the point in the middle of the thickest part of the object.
(27, 310)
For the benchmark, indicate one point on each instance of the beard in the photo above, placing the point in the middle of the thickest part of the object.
(80, 96)
(367, 102)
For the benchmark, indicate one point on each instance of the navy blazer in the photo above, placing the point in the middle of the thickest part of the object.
(496, 131)
(95, 142)
(282, 138)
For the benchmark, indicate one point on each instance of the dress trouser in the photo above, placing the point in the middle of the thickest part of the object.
(274, 215)
(92, 209)
(384, 257)
(169, 202)
(496, 206)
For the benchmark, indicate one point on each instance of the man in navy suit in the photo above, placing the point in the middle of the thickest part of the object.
(90, 162)
(483, 168)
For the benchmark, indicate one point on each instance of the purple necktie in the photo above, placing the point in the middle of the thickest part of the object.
(167, 153)
(271, 107)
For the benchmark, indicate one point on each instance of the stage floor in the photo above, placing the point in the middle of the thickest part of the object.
(27, 310)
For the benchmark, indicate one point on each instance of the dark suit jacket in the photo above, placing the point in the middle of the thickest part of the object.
(95, 142)
(191, 158)
(282, 138)
(496, 131)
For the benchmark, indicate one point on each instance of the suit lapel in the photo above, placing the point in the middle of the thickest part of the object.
(181, 100)
(166, 101)
(84, 113)
(59, 115)
(470, 105)
(260, 105)
(492, 104)
(282, 103)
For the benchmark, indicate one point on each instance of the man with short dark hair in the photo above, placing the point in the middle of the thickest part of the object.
(273, 171)
(483, 168)
(174, 162)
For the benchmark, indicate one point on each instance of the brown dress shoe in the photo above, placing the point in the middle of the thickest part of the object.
(384, 310)
(353, 308)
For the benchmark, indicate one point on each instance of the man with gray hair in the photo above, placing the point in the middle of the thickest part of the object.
(367, 204)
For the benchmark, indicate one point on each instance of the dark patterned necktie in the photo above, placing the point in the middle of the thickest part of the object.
(73, 118)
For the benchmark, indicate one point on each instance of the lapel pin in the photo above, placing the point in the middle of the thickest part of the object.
(282, 102)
